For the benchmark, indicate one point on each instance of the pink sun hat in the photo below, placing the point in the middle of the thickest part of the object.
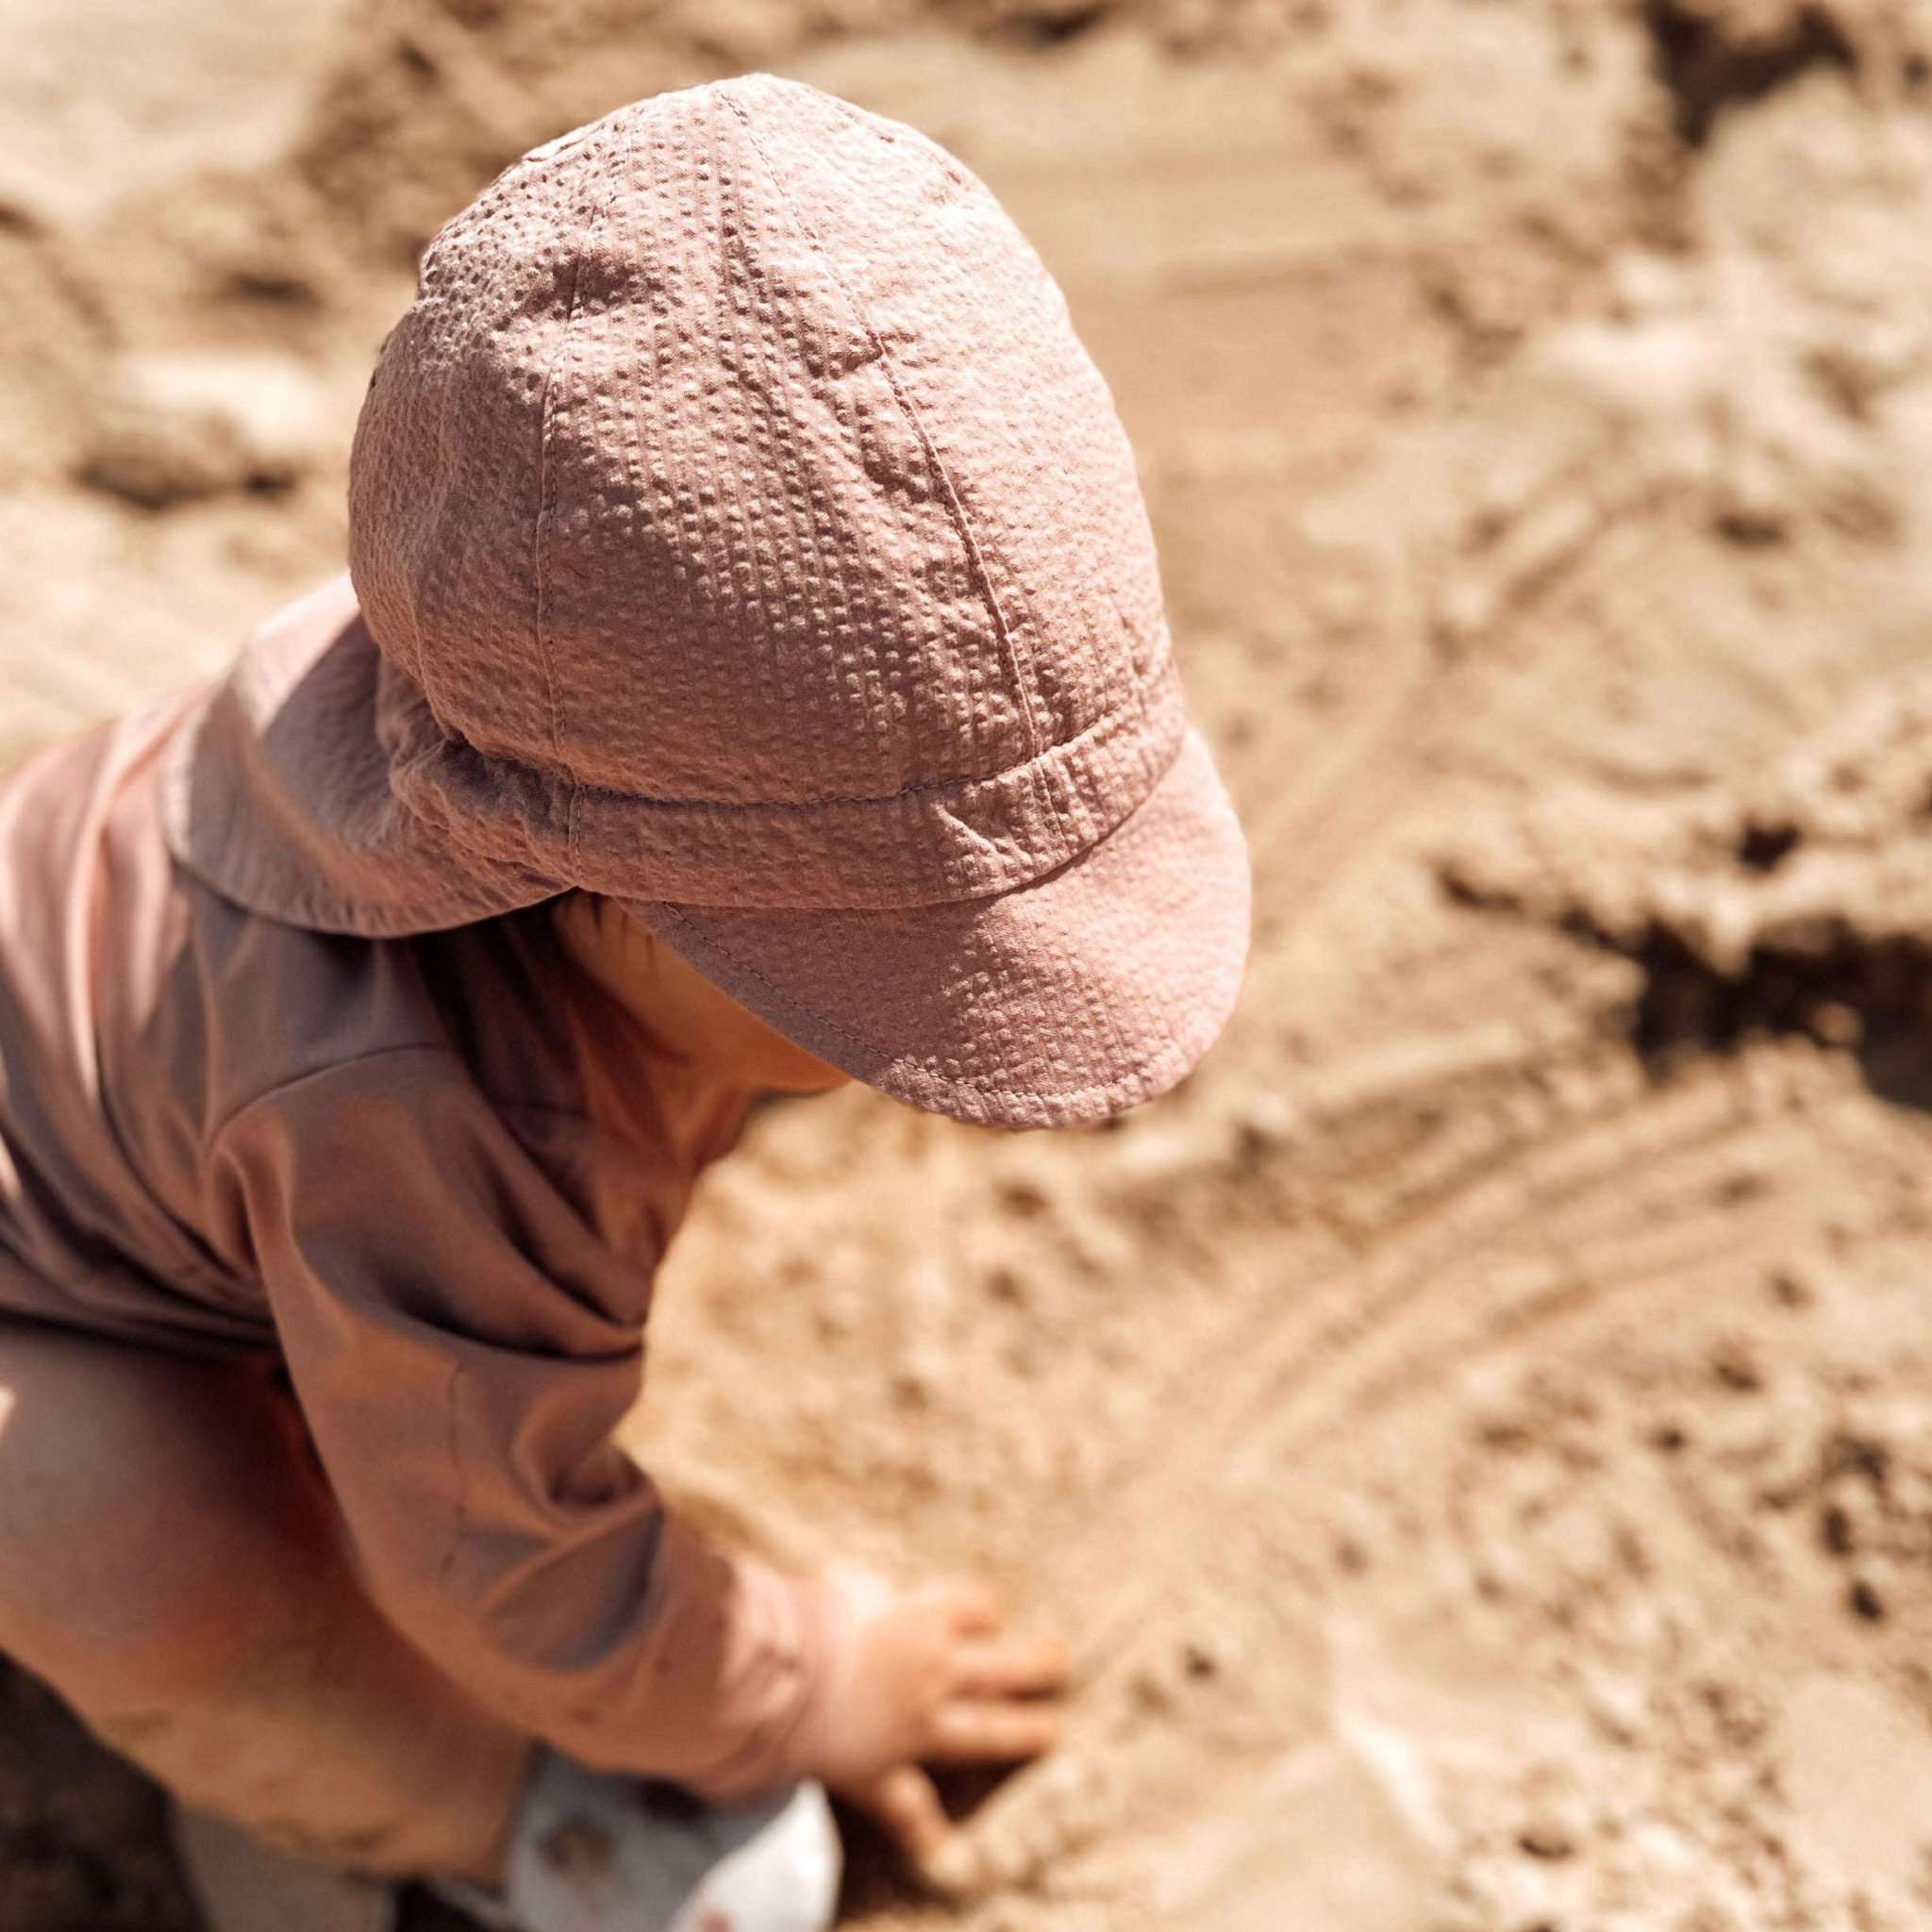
(738, 528)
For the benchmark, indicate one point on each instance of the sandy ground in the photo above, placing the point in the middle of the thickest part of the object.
(1479, 1435)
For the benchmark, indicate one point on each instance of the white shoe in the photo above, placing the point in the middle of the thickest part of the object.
(241, 1885)
(590, 1852)
(593, 1852)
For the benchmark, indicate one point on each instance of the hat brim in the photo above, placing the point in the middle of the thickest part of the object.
(1063, 1002)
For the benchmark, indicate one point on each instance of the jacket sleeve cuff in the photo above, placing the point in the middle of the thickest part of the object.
(790, 1653)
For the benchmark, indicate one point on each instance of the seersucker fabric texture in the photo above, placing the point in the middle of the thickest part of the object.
(738, 528)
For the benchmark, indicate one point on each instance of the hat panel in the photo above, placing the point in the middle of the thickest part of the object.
(1019, 419)
(448, 473)
(755, 588)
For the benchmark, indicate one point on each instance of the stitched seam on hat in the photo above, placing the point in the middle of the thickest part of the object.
(1030, 770)
(961, 178)
(1027, 768)
(431, 581)
(537, 540)
(543, 508)
(1010, 645)
(1045, 793)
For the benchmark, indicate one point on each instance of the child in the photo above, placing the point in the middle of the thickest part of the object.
(754, 676)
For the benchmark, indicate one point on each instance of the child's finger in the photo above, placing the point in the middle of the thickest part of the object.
(979, 1732)
(1017, 1667)
(973, 1610)
(907, 1808)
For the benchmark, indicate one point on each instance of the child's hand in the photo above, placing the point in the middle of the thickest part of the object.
(933, 1681)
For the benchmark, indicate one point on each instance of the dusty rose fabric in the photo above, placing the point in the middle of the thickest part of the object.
(740, 529)
(223, 1132)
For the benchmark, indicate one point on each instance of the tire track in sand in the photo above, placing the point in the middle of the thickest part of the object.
(1274, 1359)
(1610, 1201)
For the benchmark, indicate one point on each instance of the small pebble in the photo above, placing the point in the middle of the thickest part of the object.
(1199, 1661)
(1834, 1023)
(1834, 1530)
(1547, 1839)
(1864, 1601)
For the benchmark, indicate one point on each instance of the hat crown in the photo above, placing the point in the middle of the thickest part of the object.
(738, 452)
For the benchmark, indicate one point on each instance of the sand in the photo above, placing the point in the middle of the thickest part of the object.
(1477, 1437)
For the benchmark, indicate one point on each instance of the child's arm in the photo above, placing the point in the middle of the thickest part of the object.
(463, 1344)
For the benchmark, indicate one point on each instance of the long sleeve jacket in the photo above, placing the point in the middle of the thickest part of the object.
(381, 1159)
